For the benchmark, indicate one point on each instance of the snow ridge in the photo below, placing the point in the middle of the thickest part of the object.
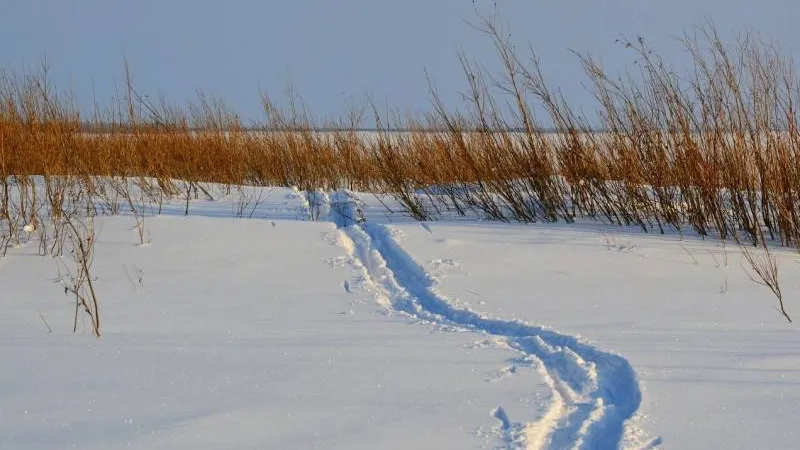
(594, 392)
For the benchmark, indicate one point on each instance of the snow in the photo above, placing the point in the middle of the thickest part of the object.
(717, 365)
(278, 332)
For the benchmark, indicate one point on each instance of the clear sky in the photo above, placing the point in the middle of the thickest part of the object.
(337, 51)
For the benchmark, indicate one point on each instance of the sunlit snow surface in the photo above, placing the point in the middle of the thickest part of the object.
(277, 332)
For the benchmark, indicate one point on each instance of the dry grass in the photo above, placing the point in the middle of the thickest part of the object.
(713, 149)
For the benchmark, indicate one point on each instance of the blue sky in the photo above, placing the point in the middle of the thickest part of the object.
(335, 52)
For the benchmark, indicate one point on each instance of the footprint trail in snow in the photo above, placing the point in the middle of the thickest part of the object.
(594, 393)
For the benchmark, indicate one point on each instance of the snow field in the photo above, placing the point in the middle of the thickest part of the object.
(270, 331)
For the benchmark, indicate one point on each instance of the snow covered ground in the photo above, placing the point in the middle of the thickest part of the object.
(717, 365)
(278, 332)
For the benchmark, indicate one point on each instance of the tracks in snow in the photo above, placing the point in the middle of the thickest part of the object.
(594, 392)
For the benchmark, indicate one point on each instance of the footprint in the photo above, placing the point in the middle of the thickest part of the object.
(503, 373)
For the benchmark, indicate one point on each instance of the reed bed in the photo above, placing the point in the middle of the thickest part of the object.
(713, 149)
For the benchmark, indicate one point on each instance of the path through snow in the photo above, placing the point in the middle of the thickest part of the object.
(594, 392)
